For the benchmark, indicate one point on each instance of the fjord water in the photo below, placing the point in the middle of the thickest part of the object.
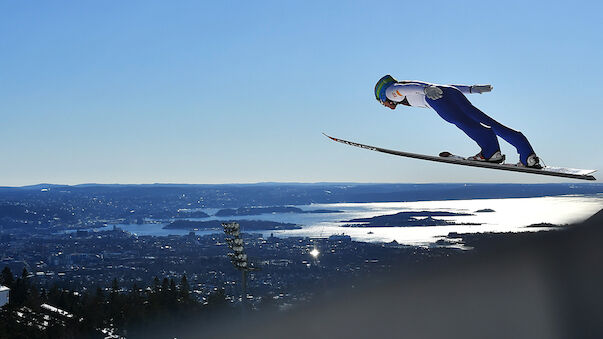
(510, 215)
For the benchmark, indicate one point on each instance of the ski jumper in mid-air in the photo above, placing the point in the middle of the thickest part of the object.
(452, 105)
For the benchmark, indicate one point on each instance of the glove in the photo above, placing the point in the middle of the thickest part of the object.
(481, 88)
(433, 93)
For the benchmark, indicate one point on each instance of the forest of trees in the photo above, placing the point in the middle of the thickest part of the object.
(133, 311)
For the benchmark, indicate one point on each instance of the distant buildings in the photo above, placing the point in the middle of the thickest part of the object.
(4, 291)
(340, 237)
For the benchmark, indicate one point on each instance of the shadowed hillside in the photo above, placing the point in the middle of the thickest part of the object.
(543, 285)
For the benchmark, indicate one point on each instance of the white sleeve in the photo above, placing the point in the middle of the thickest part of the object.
(463, 88)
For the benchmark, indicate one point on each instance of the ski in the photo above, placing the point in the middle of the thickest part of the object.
(449, 158)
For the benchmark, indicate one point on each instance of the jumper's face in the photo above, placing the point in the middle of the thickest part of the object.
(390, 104)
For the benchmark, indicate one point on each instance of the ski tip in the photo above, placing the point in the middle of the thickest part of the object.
(328, 136)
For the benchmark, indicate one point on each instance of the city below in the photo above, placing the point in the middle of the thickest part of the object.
(69, 269)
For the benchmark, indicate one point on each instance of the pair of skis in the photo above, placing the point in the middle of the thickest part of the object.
(458, 160)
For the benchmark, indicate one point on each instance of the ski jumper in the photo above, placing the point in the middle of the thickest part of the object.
(455, 108)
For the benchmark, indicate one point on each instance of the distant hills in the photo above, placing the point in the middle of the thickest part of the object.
(275, 194)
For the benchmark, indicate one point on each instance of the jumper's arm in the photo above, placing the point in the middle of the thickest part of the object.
(473, 89)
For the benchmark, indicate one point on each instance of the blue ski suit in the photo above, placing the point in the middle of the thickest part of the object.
(455, 108)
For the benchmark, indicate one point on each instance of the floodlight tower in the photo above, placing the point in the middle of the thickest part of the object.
(237, 257)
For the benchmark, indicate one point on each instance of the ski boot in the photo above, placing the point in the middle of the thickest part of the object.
(496, 158)
(531, 162)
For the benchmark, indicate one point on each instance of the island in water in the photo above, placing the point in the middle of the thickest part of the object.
(229, 212)
(544, 224)
(246, 225)
(407, 219)
(485, 210)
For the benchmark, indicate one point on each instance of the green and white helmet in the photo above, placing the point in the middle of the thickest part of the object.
(381, 86)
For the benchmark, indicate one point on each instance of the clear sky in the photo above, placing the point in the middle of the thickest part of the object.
(240, 91)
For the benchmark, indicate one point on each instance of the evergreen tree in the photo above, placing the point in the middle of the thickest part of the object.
(116, 306)
(216, 301)
(114, 290)
(63, 300)
(164, 295)
(172, 285)
(165, 286)
(22, 288)
(34, 299)
(99, 295)
(18, 293)
(43, 296)
(7, 277)
(54, 295)
(94, 310)
(156, 284)
(135, 295)
(99, 304)
(154, 298)
(24, 274)
(184, 291)
(134, 308)
(173, 293)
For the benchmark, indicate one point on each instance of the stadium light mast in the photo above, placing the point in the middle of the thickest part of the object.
(237, 257)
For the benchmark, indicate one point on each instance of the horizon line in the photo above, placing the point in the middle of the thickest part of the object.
(41, 185)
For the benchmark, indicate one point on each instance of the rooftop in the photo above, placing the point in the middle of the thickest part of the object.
(4, 288)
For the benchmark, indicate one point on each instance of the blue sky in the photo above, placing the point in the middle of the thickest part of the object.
(240, 91)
